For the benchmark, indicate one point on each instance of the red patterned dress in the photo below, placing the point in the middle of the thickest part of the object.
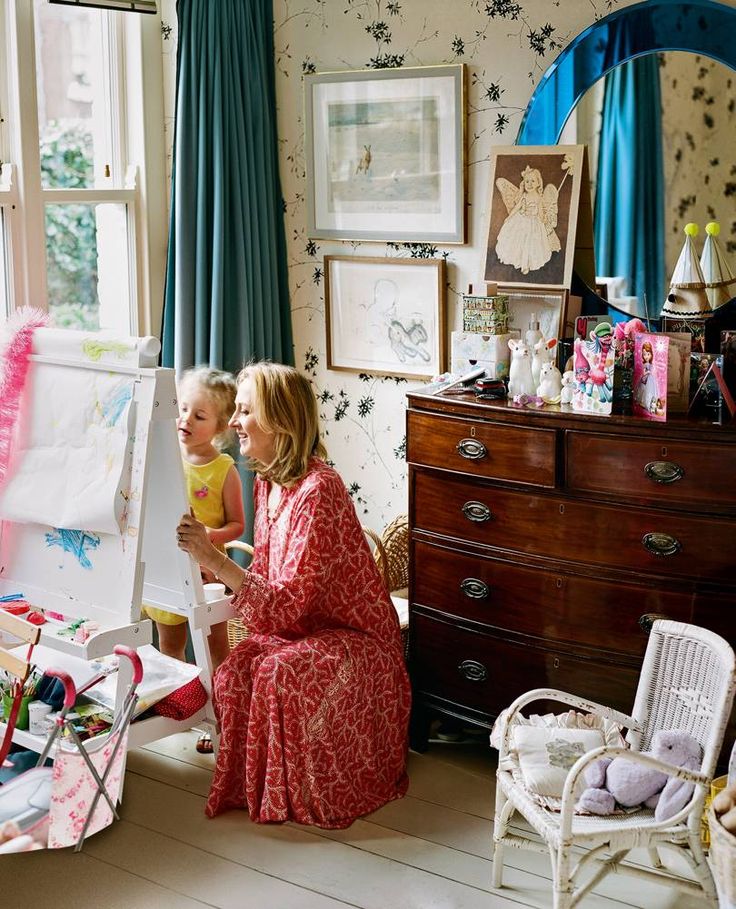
(314, 705)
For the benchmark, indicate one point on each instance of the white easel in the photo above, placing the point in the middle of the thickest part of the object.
(104, 576)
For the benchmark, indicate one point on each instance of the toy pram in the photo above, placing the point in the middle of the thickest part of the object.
(59, 806)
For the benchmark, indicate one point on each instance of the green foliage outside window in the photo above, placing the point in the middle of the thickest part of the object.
(71, 239)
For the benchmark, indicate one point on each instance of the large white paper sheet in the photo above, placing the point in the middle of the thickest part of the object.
(69, 456)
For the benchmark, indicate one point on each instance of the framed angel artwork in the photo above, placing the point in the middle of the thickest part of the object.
(540, 222)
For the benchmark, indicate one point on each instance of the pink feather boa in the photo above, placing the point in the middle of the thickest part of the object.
(14, 367)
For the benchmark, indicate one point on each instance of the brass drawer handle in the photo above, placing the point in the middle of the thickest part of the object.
(477, 512)
(475, 589)
(661, 544)
(473, 671)
(471, 449)
(648, 619)
(664, 472)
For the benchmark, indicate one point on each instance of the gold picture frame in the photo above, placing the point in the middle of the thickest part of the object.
(385, 154)
(386, 316)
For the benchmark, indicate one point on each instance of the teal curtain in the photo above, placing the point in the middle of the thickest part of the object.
(227, 294)
(629, 202)
(227, 298)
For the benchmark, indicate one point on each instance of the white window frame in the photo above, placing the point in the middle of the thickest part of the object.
(138, 172)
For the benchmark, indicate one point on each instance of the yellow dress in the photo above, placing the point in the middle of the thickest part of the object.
(204, 491)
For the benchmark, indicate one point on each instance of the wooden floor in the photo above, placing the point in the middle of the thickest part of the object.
(430, 850)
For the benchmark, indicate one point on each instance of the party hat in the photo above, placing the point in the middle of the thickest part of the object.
(687, 297)
(720, 284)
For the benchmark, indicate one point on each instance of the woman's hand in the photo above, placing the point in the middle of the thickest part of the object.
(192, 537)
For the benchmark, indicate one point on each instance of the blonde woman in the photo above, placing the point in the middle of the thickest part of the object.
(314, 704)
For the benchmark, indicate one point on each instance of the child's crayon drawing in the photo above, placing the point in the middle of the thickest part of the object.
(114, 405)
(74, 541)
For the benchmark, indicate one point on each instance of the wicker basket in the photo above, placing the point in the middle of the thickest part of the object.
(236, 630)
(723, 861)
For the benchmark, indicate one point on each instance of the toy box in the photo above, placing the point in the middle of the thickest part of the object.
(469, 349)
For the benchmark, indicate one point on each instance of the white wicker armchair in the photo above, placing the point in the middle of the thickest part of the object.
(687, 682)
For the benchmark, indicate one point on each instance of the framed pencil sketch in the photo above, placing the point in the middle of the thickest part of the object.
(540, 221)
(385, 316)
(548, 306)
(385, 154)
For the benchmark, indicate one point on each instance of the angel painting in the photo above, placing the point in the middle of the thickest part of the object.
(527, 237)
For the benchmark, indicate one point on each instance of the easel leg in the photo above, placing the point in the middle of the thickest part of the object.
(203, 659)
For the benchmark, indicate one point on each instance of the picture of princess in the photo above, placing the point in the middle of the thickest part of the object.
(527, 237)
(646, 392)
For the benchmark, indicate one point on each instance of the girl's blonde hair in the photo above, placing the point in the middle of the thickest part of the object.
(221, 388)
(284, 404)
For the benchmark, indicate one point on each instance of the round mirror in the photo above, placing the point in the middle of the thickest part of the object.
(686, 49)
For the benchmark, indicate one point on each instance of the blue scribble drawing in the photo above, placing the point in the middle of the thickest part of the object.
(114, 406)
(75, 542)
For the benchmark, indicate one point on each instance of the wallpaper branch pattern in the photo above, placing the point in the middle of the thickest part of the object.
(506, 47)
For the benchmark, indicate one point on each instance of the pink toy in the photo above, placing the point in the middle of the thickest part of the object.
(629, 783)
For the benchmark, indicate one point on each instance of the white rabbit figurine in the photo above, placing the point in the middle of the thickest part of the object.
(568, 387)
(550, 383)
(520, 371)
(544, 352)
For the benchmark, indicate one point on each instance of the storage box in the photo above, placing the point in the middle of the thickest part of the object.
(472, 349)
(486, 314)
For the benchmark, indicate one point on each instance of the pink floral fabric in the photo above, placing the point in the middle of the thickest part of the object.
(314, 705)
(74, 789)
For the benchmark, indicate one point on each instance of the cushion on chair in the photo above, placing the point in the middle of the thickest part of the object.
(570, 720)
(546, 754)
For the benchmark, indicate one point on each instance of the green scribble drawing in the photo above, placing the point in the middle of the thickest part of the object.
(95, 349)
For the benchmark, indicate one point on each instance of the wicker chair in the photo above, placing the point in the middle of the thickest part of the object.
(687, 682)
(236, 630)
(391, 552)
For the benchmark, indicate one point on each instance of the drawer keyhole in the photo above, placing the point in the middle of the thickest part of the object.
(556, 663)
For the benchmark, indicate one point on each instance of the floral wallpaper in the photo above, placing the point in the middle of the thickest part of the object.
(506, 47)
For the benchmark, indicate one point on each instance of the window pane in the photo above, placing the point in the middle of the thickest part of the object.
(73, 110)
(87, 265)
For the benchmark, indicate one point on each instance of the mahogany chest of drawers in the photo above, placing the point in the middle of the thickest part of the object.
(544, 543)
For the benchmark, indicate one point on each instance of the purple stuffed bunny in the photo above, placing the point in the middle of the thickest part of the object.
(624, 782)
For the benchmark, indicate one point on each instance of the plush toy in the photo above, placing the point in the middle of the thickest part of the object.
(629, 784)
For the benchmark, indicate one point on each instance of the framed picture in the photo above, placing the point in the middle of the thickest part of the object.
(548, 306)
(386, 317)
(539, 223)
(385, 154)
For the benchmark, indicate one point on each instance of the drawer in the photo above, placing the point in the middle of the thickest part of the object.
(664, 471)
(626, 537)
(491, 450)
(544, 604)
(487, 673)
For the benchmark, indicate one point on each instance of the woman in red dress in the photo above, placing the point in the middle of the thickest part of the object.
(314, 704)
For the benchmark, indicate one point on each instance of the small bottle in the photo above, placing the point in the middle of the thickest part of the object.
(533, 334)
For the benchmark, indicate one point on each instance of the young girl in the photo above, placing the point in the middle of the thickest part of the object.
(206, 402)
(527, 237)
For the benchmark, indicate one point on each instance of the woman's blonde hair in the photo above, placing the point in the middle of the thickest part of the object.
(284, 404)
(221, 389)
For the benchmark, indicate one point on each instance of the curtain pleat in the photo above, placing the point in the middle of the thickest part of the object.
(629, 206)
(227, 298)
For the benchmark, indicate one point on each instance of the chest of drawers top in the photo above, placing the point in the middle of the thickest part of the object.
(681, 464)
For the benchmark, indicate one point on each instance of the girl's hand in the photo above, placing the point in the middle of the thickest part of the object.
(192, 537)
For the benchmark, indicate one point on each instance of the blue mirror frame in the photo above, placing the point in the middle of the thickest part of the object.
(700, 26)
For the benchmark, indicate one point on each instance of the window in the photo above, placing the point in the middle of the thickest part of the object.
(82, 195)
